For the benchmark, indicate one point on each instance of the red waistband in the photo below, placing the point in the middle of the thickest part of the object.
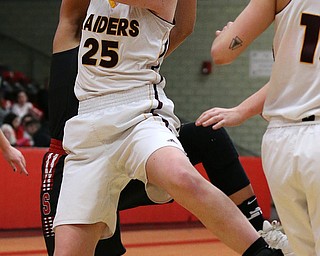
(56, 147)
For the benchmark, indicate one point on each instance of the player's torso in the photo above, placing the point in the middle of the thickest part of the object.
(295, 80)
(121, 48)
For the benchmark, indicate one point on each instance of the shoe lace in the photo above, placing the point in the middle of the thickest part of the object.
(276, 225)
(274, 235)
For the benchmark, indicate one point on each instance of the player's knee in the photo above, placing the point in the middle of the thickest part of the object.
(185, 179)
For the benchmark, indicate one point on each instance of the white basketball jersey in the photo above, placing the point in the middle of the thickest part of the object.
(121, 48)
(295, 80)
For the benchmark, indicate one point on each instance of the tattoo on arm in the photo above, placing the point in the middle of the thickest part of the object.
(235, 43)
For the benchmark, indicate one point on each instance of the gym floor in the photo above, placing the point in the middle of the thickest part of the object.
(143, 240)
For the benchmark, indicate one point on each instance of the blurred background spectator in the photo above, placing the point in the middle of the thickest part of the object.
(36, 133)
(22, 106)
(11, 128)
(5, 106)
(9, 122)
(23, 109)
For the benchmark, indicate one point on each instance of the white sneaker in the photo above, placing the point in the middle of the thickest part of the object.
(271, 232)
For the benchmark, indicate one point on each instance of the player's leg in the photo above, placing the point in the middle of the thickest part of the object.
(215, 150)
(167, 167)
(77, 239)
(170, 169)
(52, 173)
(112, 246)
(52, 167)
(133, 195)
(62, 76)
(217, 153)
(289, 152)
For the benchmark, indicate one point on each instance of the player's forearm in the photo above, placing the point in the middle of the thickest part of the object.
(253, 105)
(68, 33)
(235, 38)
(185, 19)
(4, 143)
(67, 37)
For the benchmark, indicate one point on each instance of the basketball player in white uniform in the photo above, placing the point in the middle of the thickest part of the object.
(290, 101)
(126, 129)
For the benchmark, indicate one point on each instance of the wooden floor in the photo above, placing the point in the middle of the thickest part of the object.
(152, 240)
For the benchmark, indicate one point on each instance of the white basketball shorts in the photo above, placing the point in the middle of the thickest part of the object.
(108, 143)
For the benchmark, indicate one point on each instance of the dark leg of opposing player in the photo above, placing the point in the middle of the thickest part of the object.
(52, 174)
(52, 168)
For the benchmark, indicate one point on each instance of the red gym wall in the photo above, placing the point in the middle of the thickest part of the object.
(20, 200)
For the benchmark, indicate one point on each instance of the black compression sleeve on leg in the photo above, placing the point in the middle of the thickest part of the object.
(215, 150)
(253, 212)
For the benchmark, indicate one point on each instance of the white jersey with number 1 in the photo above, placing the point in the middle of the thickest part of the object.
(294, 92)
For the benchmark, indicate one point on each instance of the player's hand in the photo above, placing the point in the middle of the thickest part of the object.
(15, 158)
(229, 24)
(220, 117)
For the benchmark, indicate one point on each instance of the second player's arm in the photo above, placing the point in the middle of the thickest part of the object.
(237, 36)
(223, 117)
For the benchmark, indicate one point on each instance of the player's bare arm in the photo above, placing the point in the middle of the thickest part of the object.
(185, 19)
(72, 14)
(237, 36)
(228, 117)
(163, 8)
